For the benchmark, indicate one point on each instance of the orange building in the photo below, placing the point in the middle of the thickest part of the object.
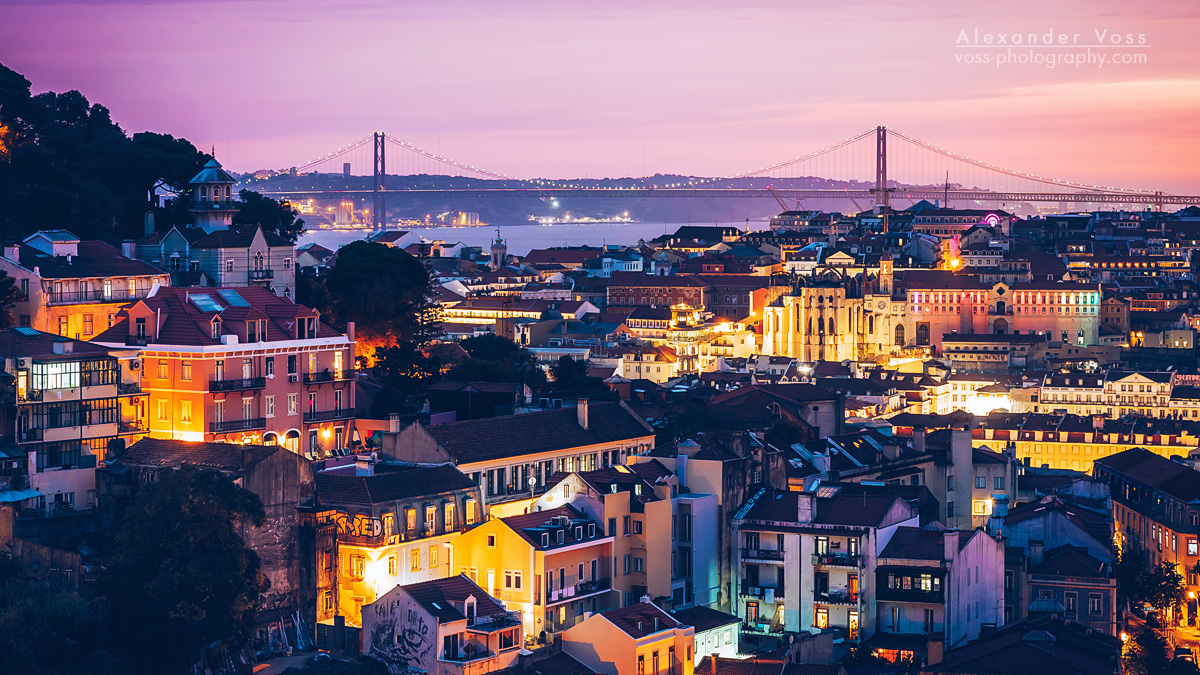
(241, 365)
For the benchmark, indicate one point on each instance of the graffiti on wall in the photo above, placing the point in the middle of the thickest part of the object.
(401, 635)
(358, 525)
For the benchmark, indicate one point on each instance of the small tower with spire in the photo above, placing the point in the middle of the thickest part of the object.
(212, 197)
(499, 253)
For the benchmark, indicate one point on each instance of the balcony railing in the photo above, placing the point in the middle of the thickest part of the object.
(762, 628)
(94, 295)
(328, 415)
(30, 395)
(837, 559)
(261, 275)
(215, 204)
(330, 376)
(138, 427)
(835, 597)
(231, 426)
(493, 622)
(750, 590)
(137, 340)
(580, 589)
(761, 554)
(909, 595)
(30, 435)
(129, 388)
(240, 384)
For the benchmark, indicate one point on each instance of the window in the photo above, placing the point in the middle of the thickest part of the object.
(637, 527)
(1069, 601)
(415, 560)
(981, 507)
(291, 364)
(185, 411)
(410, 519)
(628, 563)
(949, 510)
(391, 565)
(449, 515)
(639, 564)
(470, 512)
(626, 525)
(269, 406)
(612, 527)
(164, 410)
(981, 482)
(87, 324)
(358, 566)
(164, 370)
(822, 618)
(270, 366)
(1192, 547)
(62, 325)
(291, 404)
(641, 664)
(433, 556)
(512, 580)
(228, 265)
(491, 541)
(1095, 603)
(999, 483)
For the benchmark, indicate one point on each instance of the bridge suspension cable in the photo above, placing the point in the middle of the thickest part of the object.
(446, 160)
(804, 158)
(335, 154)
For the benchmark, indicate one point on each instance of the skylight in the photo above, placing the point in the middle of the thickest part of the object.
(204, 302)
(27, 331)
(827, 491)
(234, 298)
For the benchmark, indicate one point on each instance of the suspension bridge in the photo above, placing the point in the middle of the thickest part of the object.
(877, 166)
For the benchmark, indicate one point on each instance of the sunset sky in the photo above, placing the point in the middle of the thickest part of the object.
(560, 88)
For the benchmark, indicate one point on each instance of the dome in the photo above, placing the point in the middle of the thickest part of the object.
(212, 173)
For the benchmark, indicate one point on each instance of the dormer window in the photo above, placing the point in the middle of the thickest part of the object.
(562, 536)
(545, 539)
(591, 530)
(578, 532)
(216, 327)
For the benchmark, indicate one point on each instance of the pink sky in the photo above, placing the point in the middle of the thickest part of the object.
(540, 88)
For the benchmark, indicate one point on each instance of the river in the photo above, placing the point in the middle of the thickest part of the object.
(524, 237)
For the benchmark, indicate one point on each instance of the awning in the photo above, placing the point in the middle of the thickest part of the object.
(10, 496)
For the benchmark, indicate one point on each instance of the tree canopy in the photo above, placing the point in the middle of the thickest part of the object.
(181, 576)
(379, 288)
(274, 216)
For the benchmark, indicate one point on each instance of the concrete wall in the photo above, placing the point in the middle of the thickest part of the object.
(400, 633)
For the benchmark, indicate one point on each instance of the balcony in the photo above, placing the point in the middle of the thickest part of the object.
(54, 298)
(214, 205)
(758, 554)
(909, 595)
(233, 426)
(578, 591)
(749, 590)
(836, 596)
(137, 340)
(30, 435)
(241, 384)
(261, 275)
(756, 628)
(30, 395)
(328, 415)
(494, 622)
(129, 388)
(135, 427)
(331, 376)
(837, 559)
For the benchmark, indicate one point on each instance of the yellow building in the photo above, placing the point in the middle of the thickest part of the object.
(638, 639)
(552, 566)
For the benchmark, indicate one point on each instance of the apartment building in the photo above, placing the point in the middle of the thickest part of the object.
(394, 526)
(665, 540)
(637, 639)
(1156, 513)
(446, 626)
(513, 456)
(238, 256)
(241, 365)
(66, 406)
(932, 580)
(75, 287)
(1113, 393)
(806, 561)
(553, 566)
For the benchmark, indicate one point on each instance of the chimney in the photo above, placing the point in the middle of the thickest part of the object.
(805, 508)
(1036, 546)
(394, 423)
(950, 544)
(581, 413)
(918, 440)
(363, 466)
(149, 223)
(1098, 423)
(350, 331)
(12, 251)
(645, 599)
(934, 650)
(127, 249)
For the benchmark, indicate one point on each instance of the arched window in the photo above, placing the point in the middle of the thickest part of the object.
(923, 334)
(871, 323)
(900, 335)
(291, 440)
(270, 438)
(832, 327)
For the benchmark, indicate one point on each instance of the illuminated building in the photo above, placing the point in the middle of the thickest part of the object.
(243, 255)
(1156, 508)
(74, 287)
(241, 365)
(463, 630)
(66, 406)
(950, 222)
(392, 524)
(632, 640)
(1114, 393)
(552, 566)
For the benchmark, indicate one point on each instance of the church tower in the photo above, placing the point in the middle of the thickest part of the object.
(499, 253)
(885, 275)
(212, 197)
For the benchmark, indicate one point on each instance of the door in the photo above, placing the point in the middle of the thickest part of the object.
(853, 627)
(491, 582)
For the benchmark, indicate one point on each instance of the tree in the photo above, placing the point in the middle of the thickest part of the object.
(9, 295)
(1146, 653)
(280, 218)
(1162, 585)
(380, 289)
(1129, 567)
(571, 375)
(181, 576)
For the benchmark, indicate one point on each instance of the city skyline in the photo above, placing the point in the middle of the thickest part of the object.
(533, 89)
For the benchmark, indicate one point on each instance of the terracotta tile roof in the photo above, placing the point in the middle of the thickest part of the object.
(532, 525)
(531, 433)
(1156, 472)
(704, 618)
(1072, 561)
(439, 595)
(638, 620)
(30, 343)
(95, 259)
(913, 543)
(159, 452)
(848, 508)
(1043, 646)
(390, 484)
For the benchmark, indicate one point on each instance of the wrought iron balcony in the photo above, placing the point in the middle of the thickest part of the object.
(240, 384)
(135, 427)
(91, 296)
(129, 388)
(909, 595)
(331, 376)
(30, 435)
(835, 597)
(30, 395)
(761, 554)
(836, 559)
(137, 340)
(215, 205)
(232, 426)
(261, 275)
(749, 590)
(328, 415)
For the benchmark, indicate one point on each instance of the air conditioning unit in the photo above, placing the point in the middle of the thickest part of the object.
(135, 364)
(293, 378)
(22, 363)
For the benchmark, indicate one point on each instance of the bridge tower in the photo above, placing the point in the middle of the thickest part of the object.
(881, 185)
(379, 206)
